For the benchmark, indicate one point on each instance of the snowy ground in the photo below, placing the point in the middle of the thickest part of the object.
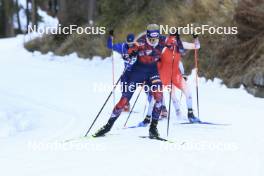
(46, 99)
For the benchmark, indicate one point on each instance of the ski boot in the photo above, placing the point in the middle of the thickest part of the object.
(192, 118)
(145, 122)
(153, 131)
(106, 128)
(164, 112)
(127, 107)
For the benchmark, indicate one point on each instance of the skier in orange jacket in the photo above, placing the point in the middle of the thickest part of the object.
(168, 71)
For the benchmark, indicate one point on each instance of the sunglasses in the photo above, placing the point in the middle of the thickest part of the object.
(153, 40)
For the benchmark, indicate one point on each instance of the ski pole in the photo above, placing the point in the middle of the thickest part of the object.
(196, 78)
(104, 105)
(134, 104)
(168, 122)
(113, 69)
(145, 107)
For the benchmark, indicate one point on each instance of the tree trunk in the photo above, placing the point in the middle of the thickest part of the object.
(73, 12)
(91, 10)
(53, 7)
(9, 28)
(2, 19)
(34, 14)
(18, 17)
(27, 13)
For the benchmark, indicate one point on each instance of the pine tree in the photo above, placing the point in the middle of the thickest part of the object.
(18, 17)
(34, 14)
(8, 9)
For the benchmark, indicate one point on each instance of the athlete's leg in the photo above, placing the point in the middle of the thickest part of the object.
(156, 89)
(151, 102)
(136, 78)
(124, 87)
(186, 90)
(175, 101)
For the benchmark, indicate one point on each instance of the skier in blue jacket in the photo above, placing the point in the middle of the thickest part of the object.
(148, 52)
(122, 48)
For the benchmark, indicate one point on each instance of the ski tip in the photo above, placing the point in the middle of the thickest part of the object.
(127, 127)
(155, 138)
(204, 123)
(77, 138)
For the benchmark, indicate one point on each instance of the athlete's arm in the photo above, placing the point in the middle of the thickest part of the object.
(181, 68)
(118, 47)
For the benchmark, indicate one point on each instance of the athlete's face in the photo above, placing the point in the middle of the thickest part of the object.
(153, 41)
(153, 37)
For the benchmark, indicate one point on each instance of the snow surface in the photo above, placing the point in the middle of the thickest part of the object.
(47, 99)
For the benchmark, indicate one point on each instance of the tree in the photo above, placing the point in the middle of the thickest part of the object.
(2, 19)
(8, 7)
(91, 11)
(34, 14)
(27, 13)
(53, 7)
(18, 17)
(73, 12)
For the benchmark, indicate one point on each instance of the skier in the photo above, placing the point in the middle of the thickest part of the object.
(164, 111)
(148, 52)
(122, 48)
(178, 80)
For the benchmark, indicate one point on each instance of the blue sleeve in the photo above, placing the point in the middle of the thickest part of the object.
(109, 43)
(118, 47)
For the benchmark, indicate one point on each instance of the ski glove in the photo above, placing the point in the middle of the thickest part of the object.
(111, 32)
(195, 36)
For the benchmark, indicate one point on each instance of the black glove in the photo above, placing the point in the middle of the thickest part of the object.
(111, 32)
(194, 36)
(176, 34)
